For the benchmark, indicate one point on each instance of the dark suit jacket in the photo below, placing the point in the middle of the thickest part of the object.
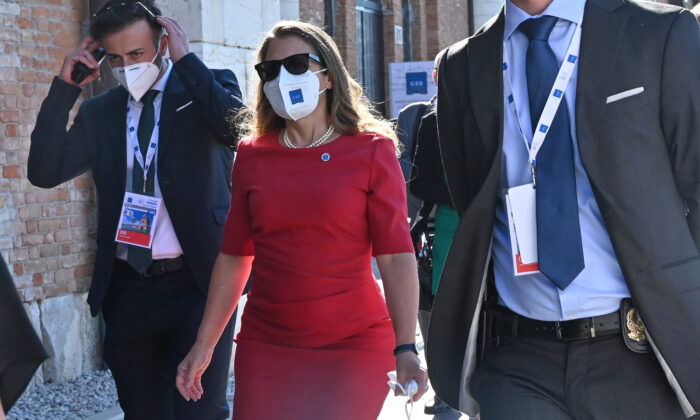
(427, 180)
(407, 132)
(194, 160)
(21, 351)
(642, 156)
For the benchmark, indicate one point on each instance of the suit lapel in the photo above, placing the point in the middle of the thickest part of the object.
(486, 82)
(600, 46)
(116, 130)
(168, 111)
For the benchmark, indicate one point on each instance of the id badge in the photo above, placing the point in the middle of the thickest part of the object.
(138, 220)
(522, 224)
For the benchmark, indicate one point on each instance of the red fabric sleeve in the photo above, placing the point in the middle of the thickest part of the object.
(237, 240)
(386, 203)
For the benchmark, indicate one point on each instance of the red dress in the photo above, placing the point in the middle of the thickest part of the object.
(316, 339)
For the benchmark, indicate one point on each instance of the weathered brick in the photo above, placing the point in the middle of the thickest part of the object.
(12, 171)
(35, 266)
(29, 212)
(19, 254)
(50, 251)
(37, 279)
(32, 239)
(62, 209)
(83, 182)
(12, 143)
(32, 226)
(46, 196)
(18, 269)
(48, 225)
(64, 235)
(11, 130)
(7, 8)
(30, 197)
(34, 252)
(79, 221)
(9, 115)
(83, 271)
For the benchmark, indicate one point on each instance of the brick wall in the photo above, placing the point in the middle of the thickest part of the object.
(46, 236)
(312, 11)
(346, 33)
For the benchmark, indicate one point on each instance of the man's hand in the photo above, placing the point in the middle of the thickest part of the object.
(81, 55)
(178, 43)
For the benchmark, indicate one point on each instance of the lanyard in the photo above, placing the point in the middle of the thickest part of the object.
(555, 96)
(138, 156)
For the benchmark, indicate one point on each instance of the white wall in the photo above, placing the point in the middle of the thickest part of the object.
(484, 10)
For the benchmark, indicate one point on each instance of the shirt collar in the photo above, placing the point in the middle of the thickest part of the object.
(570, 10)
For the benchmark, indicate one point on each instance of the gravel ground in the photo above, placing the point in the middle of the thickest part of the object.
(83, 397)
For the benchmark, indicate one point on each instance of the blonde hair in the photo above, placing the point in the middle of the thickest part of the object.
(347, 105)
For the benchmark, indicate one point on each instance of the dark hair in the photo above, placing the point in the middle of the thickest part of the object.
(116, 15)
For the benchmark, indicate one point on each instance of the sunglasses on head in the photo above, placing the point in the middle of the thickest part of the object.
(295, 64)
(134, 9)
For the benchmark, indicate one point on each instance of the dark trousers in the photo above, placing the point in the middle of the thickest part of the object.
(151, 323)
(595, 379)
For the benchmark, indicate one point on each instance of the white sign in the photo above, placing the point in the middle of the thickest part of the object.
(410, 81)
(398, 34)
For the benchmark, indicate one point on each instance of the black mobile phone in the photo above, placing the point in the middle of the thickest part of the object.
(81, 71)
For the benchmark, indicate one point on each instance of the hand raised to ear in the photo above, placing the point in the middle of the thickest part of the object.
(178, 43)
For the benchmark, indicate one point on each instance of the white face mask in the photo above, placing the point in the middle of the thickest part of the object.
(138, 78)
(293, 96)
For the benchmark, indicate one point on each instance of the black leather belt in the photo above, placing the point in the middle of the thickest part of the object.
(165, 266)
(158, 267)
(509, 324)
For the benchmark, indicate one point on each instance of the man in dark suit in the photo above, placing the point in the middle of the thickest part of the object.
(152, 298)
(603, 322)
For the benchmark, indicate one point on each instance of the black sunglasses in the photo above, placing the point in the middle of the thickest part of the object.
(134, 9)
(295, 64)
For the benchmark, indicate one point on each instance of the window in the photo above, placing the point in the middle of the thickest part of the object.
(370, 56)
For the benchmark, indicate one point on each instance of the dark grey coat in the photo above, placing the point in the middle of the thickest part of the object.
(642, 156)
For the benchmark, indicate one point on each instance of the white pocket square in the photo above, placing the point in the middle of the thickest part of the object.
(625, 94)
(184, 106)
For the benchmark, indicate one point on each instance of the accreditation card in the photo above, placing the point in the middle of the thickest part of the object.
(522, 223)
(137, 223)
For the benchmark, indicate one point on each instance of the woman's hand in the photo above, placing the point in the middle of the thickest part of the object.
(190, 371)
(408, 368)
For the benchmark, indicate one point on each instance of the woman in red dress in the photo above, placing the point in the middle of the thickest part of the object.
(317, 191)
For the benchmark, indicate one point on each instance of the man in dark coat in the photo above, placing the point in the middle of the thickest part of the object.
(601, 320)
(163, 139)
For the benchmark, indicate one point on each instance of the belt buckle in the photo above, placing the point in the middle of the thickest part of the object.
(578, 334)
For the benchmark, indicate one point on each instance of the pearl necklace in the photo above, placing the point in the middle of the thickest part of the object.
(315, 143)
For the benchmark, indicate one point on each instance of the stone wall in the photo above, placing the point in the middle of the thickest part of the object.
(72, 337)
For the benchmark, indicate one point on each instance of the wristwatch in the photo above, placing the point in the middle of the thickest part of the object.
(404, 348)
